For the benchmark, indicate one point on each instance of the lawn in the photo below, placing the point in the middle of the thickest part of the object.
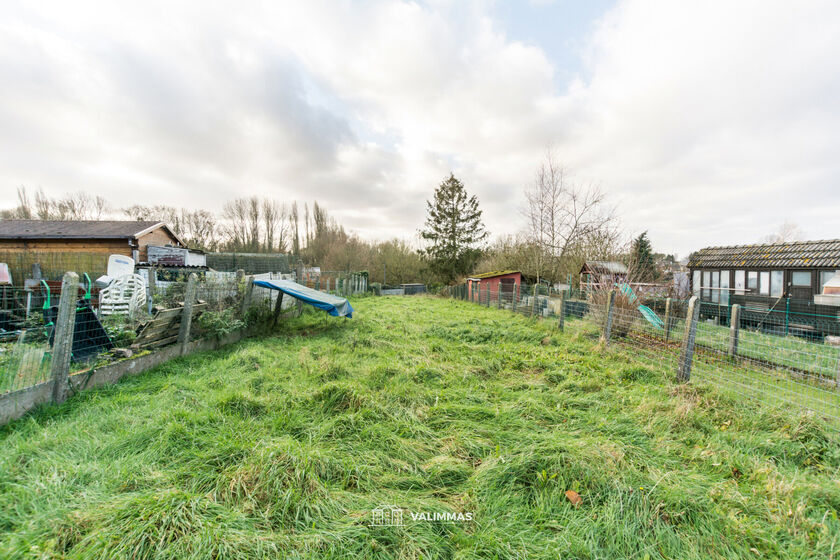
(280, 447)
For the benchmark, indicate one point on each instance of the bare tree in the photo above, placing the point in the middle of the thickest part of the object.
(274, 225)
(74, 206)
(294, 222)
(788, 231)
(564, 218)
(23, 211)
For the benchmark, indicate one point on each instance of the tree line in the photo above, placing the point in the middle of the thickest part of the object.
(305, 231)
(562, 223)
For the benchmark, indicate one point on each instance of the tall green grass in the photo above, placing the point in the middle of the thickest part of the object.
(279, 447)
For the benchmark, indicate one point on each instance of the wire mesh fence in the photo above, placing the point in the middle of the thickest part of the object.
(777, 357)
(117, 322)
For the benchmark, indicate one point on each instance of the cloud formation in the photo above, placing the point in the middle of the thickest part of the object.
(707, 123)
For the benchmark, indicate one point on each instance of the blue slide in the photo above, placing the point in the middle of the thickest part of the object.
(646, 311)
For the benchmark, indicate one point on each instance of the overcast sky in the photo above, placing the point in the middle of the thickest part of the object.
(706, 122)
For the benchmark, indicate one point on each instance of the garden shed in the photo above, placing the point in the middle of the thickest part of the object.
(508, 281)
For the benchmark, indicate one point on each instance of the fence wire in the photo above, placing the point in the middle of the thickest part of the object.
(779, 358)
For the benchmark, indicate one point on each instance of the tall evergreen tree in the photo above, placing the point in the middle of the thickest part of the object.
(454, 229)
(643, 264)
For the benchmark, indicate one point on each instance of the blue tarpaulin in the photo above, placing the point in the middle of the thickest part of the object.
(334, 305)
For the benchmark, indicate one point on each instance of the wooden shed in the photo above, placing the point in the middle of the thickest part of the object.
(598, 275)
(81, 246)
(508, 281)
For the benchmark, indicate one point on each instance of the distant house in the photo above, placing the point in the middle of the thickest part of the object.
(595, 275)
(785, 278)
(508, 281)
(59, 246)
(796, 270)
(128, 238)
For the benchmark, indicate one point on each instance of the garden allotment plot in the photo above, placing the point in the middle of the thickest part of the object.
(284, 446)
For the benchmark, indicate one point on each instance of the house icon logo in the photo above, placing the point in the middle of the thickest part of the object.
(386, 515)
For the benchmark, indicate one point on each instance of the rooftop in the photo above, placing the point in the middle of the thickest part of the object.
(75, 229)
(605, 267)
(796, 254)
(493, 274)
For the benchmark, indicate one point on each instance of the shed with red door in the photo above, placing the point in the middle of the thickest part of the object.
(479, 285)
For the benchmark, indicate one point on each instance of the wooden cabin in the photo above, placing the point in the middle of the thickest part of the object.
(599, 275)
(508, 281)
(82, 246)
(767, 278)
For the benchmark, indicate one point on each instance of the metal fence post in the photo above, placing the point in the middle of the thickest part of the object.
(499, 296)
(186, 314)
(734, 328)
(667, 324)
(561, 321)
(65, 327)
(687, 352)
(605, 337)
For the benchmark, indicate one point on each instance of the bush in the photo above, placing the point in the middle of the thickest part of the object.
(220, 323)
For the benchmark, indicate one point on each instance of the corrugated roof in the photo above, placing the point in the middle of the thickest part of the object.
(797, 254)
(605, 267)
(493, 274)
(67, 229)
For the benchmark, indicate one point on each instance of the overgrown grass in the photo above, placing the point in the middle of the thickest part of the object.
(280, 447)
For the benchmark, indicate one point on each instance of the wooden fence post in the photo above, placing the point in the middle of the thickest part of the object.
(247, 295)
(561, 321)
(608, 320)
(534, 301)
(667, 324)
(278, 307)
(186, 314)
(65, 327)
(734, 328)
(514, 297)
(687, 352)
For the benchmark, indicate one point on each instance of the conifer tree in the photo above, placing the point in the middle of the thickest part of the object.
(454, 229)
(643, 265)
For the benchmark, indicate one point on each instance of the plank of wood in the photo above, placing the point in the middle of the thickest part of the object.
(161, 331)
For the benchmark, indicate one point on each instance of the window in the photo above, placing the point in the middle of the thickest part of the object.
(777, 283)
(707, 282)
(801, 278)
(764, 283)
(740, 276)
(825, 276)
(715, 286)
(695, 282)
(752, 281)
(724, 287)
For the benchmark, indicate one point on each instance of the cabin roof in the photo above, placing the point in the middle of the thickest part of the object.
(604, 267)
(79, 229)
(493, 274)
(796, 254)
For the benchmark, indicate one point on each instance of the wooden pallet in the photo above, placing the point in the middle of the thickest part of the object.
(163, 328)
